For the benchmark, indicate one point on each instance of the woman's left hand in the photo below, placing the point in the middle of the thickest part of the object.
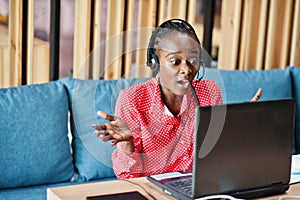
(257, 95)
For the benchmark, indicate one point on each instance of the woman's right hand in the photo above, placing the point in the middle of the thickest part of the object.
(115, 130)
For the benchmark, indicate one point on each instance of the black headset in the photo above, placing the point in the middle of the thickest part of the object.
(152, 59)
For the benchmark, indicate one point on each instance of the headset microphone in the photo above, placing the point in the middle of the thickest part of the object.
(199, 76)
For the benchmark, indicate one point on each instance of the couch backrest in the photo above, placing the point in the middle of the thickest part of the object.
(93, 157)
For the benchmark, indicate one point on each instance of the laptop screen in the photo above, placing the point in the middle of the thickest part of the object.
(243, 147)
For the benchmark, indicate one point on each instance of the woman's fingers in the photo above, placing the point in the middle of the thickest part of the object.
(105, 135)
(106, 116)
(99, 126)
(257, 95)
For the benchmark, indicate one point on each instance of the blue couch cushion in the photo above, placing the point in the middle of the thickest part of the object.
(241, 85)
(92, 156)
(34, 145)
(295, 72)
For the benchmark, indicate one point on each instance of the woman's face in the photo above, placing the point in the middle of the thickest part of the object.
(179, 59)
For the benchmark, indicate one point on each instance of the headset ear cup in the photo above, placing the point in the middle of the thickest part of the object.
(152, 60)
(155, 63)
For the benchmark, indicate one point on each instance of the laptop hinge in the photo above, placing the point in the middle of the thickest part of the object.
(277, 186)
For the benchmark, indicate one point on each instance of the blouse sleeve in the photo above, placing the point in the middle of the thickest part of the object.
(216, 93)
(124, 165)
(209, 93)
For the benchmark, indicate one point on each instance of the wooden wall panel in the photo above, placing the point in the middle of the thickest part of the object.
(267, 38)
(191, 14)
(4, 64)
(230, 34)
(176, 9)
(114, 40)
(253, 31)
(82, 39)
(15, 43)
(161, 11)
(278, 35)
(4, 57)
(37, 58)
(129, 39)
(37, 52)
(30, 38)
(40, 62)
(146, 23)
(254, 35)
(295, 43)
(191, 18)
(96, 41)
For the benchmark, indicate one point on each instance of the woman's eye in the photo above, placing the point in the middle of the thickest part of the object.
(175, 62)
(194, 62)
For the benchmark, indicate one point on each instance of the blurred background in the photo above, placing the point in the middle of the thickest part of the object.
(44, 40)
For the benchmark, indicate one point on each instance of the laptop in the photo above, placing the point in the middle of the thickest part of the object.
(243, 150)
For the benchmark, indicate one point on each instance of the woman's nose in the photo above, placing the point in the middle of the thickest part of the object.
(185, 68)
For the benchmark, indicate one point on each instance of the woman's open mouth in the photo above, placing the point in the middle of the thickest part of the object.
(183, 83)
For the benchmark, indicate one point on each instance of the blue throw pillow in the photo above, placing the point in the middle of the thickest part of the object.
(92, 156)
(295, 72)
(34, 145)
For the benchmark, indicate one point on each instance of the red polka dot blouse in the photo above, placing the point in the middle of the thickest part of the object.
(163, 142)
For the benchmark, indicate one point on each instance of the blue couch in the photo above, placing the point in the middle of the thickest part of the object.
(46, 138)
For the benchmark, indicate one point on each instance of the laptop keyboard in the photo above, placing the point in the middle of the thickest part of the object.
(183, 185)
